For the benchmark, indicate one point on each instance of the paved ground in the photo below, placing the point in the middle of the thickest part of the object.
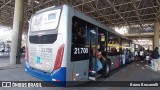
(137, 71)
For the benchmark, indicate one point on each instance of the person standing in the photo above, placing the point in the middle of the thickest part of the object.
(127, 56)
(141, 54)
(136, 55)
(3, 48)
(155, 58)
(146, 53)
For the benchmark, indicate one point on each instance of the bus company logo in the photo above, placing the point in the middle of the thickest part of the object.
(51, 16)
(6, 84)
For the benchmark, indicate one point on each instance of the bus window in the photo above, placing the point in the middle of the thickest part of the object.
(45, 21)
(43, 27)
(80, 40)
(102, 41)
(125, 44)
(79, 33)
(113, 44)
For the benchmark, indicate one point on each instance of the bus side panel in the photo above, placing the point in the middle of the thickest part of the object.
(66, 27)
(114, 61)
(112, 58)
(80, 69)
(62, 29)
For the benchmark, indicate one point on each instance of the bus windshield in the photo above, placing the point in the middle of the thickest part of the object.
(45, 21)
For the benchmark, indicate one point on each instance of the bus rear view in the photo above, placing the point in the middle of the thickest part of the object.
(45, 47)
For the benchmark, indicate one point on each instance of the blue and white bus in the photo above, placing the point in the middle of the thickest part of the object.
(66, 45)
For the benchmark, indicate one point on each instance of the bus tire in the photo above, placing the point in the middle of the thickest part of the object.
(107, 68)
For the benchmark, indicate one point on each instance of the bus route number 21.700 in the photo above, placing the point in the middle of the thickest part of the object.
(80, 50)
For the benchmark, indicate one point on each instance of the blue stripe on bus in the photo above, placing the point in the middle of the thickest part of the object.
(59, 74)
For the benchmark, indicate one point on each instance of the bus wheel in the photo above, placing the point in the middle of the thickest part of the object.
(107, 69)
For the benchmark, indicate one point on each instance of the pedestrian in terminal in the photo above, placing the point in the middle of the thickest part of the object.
(155, 58)
(96, 53)
(141, 54)
(136, 55)
(146, 55)
(3, 48)
(150, 59)
(127, 56)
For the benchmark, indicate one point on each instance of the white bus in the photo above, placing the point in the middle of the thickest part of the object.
(66, 45)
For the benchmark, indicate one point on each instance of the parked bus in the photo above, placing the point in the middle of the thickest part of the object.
(66, 45)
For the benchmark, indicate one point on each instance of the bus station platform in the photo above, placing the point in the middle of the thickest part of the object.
(136, 71)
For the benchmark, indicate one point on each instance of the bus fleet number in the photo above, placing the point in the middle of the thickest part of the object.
(46, 50)
(80, 50)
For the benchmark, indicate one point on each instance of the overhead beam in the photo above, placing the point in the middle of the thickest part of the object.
(84, 3)
(98, 10)
(107, 7)
(5, 4)
(113, 6)
(30, 9)
(158, 12)
(136, 11)
(130, 16)
(131, 21)
(128, 11)
(145, 21)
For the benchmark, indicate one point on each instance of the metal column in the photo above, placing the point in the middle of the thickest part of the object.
(156, 35)
(17, 32)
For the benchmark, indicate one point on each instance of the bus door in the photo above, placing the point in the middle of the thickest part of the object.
(93, 54)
